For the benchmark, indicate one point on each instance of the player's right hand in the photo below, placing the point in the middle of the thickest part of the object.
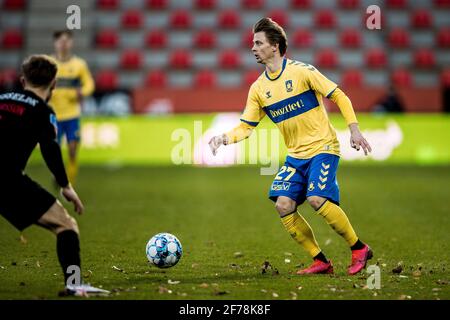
(215, 143)
(71, 196)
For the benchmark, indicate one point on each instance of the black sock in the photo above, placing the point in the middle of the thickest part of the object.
(68, 250)
(358, 245)
(321, 257)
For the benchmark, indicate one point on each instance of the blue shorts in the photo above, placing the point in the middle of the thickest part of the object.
(301, 178)
(70, 129)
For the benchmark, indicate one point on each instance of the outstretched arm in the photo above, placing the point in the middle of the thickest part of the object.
(357, 140)
(239, 133)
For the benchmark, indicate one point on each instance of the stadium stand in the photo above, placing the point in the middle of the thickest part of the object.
(181, 44)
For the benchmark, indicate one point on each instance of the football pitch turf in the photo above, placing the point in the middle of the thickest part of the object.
(228, 229)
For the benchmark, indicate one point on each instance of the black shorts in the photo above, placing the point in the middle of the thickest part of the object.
(23, 201)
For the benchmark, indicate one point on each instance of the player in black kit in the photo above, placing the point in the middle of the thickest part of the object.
(25, 121)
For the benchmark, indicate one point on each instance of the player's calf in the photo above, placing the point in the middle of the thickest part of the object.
(57, 220)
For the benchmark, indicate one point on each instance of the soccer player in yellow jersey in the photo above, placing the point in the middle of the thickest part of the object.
(290, 93)
(73, 83)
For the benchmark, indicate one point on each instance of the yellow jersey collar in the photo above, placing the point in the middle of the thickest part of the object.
(283, 66)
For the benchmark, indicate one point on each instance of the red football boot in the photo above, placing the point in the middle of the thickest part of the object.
(318, 267)
(359, 259)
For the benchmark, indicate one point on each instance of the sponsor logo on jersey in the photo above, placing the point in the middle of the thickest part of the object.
(280, 186)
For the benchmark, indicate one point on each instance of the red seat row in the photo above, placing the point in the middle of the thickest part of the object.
(245, 4)
(230, 59)
(376, 59)
(207, 39)
(252, 4)
(404, 4)
(109, 79)
(249, 4)
(231, 19)
(132, 59)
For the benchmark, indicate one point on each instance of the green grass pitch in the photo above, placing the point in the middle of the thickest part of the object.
(401, 211)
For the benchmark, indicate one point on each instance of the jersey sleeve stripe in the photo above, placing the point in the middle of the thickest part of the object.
(331, 92)
(253, 124)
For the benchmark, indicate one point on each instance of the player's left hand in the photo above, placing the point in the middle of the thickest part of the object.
(357, 140)
(71, 196)
(216, 142)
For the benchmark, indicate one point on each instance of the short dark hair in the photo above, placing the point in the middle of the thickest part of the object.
(274, 33)
(58, 33)
(39, 70)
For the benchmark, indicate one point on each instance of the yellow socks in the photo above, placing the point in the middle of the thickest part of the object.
(338, 220)
(72, 171)
(301, 232)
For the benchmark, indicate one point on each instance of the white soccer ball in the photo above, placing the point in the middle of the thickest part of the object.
(164, 250)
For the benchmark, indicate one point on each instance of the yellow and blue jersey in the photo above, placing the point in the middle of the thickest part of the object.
(73, 77)
(293, 99)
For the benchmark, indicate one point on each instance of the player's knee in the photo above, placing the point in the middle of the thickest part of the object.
(285, 206)
(65, 221)
(69, 223)
(315, 202)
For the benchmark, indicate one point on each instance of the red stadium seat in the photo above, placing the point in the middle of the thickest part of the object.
(156, 4)
(327, 58)
(14, 5)
(205, 79)
(396, 4)
(352, 78)
(106, 39)
(443, 4)
(156, 39)
(443, 38)
(229, 59)
(301, 4)
(8, 78)
(349, 4)
(106, 80)
(131, 59)
(181, 19)
(107, 4)
(229, 19)
(251, 76)
(445, 78)
(325, 19)
(252, 4)
(12, 39)
(376, 58)
(132, 19)
(302, 38)
(156, 79)
(422, 19)
(401, 78)
(424, 58)
(399, 38)
(350, 38)
(280, 17)
(205, 4)
(180, 59)
(247, 39)
(205, 39)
